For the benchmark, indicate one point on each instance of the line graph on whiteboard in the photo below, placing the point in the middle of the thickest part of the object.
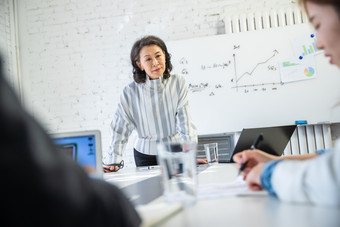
(258, 62)
(272, 83)
(262, 75)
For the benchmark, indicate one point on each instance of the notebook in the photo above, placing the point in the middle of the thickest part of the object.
(84, 147)
(275, 140)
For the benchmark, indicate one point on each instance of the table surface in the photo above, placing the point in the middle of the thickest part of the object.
(253, 209)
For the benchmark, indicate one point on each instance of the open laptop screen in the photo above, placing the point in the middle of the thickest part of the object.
(275, 139)
(83, 147)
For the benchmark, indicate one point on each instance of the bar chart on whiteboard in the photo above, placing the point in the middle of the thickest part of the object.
(233, 79)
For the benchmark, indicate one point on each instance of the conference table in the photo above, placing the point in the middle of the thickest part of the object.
(213, 208)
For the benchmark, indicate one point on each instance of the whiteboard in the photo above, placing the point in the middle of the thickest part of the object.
(234, 81)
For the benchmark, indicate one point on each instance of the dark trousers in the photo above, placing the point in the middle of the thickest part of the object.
(144, 160)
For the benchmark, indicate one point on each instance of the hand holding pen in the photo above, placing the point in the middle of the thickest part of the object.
(253, 147)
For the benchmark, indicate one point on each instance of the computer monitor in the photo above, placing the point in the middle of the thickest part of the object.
(83, 146)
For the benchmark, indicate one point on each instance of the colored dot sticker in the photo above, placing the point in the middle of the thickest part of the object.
(312, 35)
(300, 57)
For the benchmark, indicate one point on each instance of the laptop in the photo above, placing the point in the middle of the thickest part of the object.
(84, 147)
(274, 140)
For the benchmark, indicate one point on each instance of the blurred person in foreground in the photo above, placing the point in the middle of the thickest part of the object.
(42, 186)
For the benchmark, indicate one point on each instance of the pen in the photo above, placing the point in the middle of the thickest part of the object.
(253, 147)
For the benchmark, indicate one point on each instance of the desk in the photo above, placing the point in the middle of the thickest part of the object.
(253, 210)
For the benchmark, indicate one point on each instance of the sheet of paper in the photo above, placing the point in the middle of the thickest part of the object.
(305, 45)
(236, 187)
(294, 69)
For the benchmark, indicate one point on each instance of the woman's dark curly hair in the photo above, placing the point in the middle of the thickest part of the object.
(138, 75)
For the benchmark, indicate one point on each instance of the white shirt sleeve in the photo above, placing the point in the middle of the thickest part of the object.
(121, 128)
(315, 181)
(184, 124)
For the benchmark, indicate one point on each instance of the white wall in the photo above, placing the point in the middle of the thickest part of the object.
(75, 53)
(8, 41)
(5, 37)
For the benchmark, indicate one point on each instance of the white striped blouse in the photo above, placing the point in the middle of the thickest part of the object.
(158, 110)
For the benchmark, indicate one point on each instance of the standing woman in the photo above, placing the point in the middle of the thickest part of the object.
(155, 104)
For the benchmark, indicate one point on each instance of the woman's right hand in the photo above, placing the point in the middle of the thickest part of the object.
(253, 157)
(109, 169)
